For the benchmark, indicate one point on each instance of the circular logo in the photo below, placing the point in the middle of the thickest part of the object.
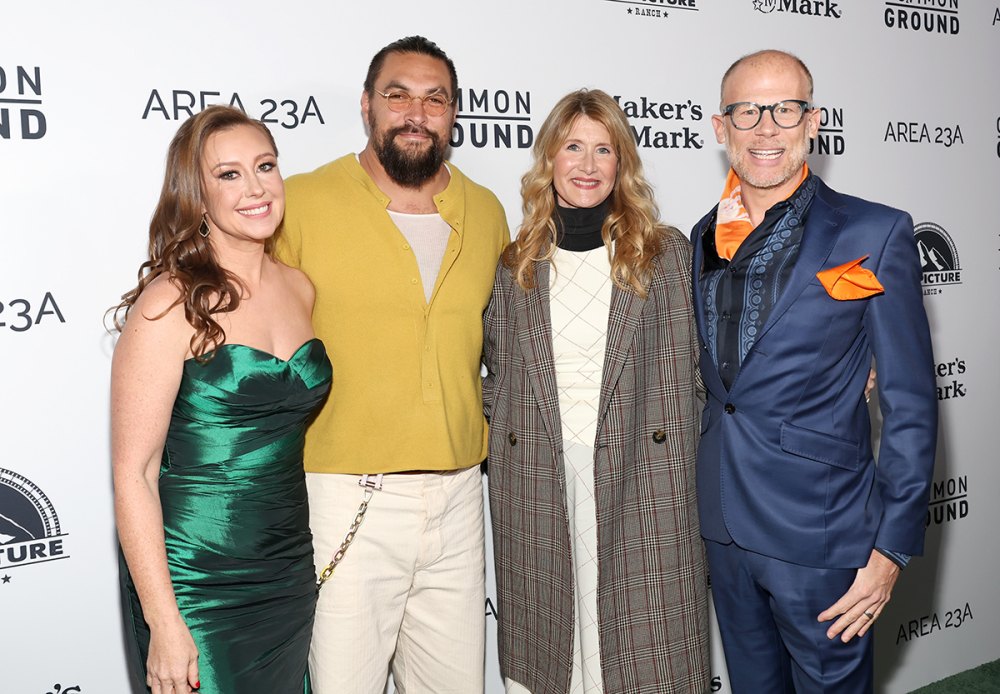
(937, 250)
(26, 514)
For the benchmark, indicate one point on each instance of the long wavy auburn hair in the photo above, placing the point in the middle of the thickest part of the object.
(176, 249)
(632, 223)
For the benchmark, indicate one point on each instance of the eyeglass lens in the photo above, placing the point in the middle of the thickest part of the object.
(434, 104)
(787, 114)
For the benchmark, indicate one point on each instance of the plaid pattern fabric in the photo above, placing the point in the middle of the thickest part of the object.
(652, 588)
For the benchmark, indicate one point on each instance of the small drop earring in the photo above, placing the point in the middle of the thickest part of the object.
(203, 228)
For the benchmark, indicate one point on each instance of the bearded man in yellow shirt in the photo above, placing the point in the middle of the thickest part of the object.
(402, 248)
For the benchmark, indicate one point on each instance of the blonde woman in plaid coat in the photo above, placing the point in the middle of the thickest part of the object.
(594, 402)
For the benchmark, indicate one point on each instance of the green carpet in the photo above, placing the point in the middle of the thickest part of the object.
(981, 680)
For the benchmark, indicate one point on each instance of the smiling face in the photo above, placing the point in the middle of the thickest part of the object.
(242, 190)
(767, 159)
(585, 166)
(409, 144)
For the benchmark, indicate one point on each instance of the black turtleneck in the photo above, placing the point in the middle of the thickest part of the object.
(580, 227)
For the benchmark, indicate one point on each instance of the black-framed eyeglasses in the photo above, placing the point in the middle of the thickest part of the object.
(434, 104)
(745, 115)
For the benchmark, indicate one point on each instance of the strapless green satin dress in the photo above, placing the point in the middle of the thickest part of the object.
(236, 518)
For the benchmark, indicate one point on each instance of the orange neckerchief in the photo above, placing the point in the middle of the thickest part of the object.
(732, 223)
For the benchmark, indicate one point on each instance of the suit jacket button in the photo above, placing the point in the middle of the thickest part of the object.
(729, 408)
(512, 437)
(659, 436)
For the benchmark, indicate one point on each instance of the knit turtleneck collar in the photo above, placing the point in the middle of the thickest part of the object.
(580, 227)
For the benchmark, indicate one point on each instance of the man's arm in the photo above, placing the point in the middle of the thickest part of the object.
(900, 337)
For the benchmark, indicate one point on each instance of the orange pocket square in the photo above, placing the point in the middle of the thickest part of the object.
(850, 281)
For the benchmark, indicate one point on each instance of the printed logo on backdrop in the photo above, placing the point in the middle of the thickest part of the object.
(927, 625)
(925, 16)
(916, 132)
(21, 314)
(658, 124)
(59, 689)
(815, 8)
(947, 373)
(654, 9)
(30, 532)
(949, 501)
(21, 116)
(830, 138)
(493, 118)
(181, 104)
(998, 133)
(938, 258)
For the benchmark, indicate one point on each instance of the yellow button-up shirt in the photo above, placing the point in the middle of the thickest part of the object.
(407, 393)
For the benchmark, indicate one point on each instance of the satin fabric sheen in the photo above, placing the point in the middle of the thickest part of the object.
(236, 518)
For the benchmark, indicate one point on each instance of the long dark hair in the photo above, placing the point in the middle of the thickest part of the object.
(176, 249)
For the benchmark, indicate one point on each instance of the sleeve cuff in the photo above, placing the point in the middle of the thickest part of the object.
(898, 558)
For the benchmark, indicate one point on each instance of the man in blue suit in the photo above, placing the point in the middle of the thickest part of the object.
(796, 287)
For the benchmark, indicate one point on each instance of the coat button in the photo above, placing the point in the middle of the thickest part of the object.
(512, 437)
(659, 436)
(729, 408)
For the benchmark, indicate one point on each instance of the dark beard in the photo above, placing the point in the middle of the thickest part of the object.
(408, 170)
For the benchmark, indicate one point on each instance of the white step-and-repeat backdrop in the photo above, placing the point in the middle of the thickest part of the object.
(92, 90)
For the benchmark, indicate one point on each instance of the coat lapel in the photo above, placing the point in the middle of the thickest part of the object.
(535, 335)
(709, 369)
(623, 319)
(818, 239)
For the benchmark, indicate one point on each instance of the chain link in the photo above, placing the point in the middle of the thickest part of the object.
(348, 538)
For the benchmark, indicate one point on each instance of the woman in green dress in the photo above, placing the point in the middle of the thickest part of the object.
(214, 378)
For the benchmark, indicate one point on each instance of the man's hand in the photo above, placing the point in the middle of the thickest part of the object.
(861, 605)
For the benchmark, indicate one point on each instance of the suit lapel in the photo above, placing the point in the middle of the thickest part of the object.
(818, 239)
(535, 335)
(709, 369)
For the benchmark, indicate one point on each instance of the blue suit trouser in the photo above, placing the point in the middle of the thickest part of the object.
(767, 609)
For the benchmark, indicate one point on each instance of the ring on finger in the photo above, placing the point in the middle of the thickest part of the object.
(869, 615)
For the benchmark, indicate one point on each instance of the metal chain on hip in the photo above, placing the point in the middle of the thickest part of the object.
(369, 484)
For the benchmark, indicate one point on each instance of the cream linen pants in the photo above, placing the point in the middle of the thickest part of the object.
(409, 593)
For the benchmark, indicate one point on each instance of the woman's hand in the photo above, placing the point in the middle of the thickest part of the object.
(172, 665)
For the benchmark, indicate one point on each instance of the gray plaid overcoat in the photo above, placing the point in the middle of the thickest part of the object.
(651, 594)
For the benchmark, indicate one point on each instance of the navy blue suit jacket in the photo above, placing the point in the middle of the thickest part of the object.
(785, 464)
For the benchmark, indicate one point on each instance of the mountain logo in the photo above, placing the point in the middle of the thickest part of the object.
(30, 532)
(939, 262)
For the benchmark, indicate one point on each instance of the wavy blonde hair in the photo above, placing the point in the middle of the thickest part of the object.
(633, 219)
(176, 249)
